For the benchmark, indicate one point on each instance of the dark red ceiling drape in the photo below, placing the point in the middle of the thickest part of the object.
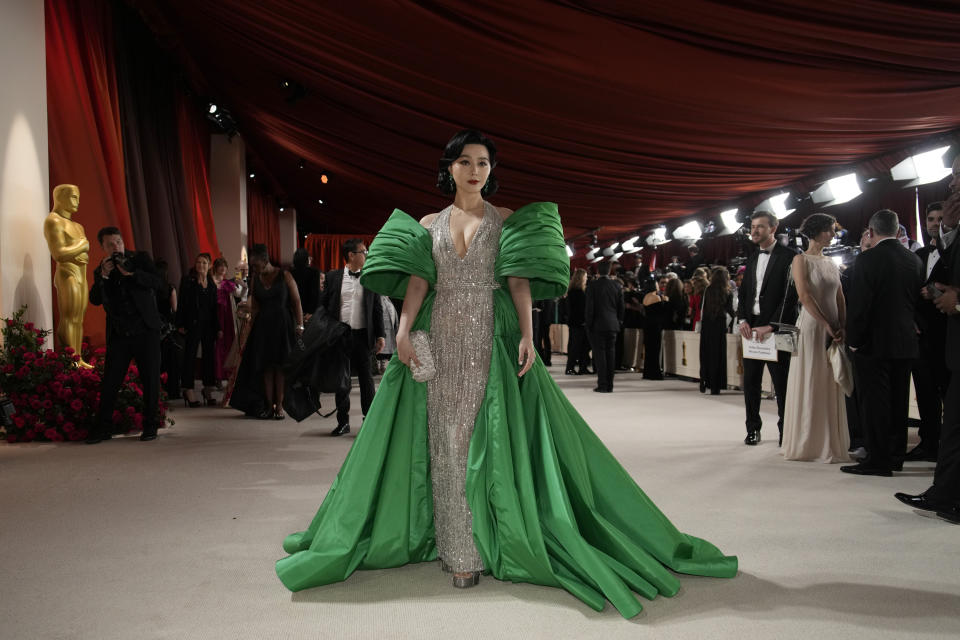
(195, 145)
(625, 114)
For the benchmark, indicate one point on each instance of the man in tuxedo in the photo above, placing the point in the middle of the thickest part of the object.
(345, 299)
(944, 496)
(765, 298)
(883, 338)
(126, 284)
(930, 374)
(603, 316)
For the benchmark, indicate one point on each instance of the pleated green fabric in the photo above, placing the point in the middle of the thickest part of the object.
(550, 504)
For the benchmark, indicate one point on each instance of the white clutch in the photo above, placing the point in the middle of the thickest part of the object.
(421, 347)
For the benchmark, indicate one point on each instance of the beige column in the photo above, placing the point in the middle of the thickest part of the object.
(288, 235)
(228, 196)
(24, 169)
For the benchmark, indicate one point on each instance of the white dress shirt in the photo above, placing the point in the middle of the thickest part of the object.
(763, 260)
(932, 259)
(351, 301)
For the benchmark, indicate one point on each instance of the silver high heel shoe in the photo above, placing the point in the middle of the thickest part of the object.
(466, 580)
(445, 567)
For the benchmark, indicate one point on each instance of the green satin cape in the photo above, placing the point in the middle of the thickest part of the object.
(550, 504)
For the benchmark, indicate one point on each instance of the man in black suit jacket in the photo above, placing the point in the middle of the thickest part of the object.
(760, 306)
(944, 496)
(930, 374)
(883, 337)
(604, 314)
(126, 284)
(345, 299)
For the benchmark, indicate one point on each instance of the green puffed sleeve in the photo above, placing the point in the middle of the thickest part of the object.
(532, 247)
(402, 248)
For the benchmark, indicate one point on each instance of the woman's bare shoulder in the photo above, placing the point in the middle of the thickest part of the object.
(428, 219)
(504, 212)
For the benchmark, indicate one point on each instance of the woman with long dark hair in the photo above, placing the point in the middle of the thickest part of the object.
(198, 322)
(717, 304)
(487, 467)
(578, 347)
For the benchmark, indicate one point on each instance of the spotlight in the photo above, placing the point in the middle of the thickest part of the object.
(922, 168)
(592, 253)
(688, 231)
(281, 209)
(301, 163)
(776, 205)
(629, 246)
(324, 178)
(609, 251)
(212, 108)
(659, 236)
(570, 250)
(295, 90)
(320, 201)
(252, 175)
(730, 220)
(837, 190)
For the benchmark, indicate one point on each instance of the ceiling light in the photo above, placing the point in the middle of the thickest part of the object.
(324, 178)
(837, 190)
(301, 163)
(569, 251)
(320, 201)
(281, 209)
(729, 219)
(922, 168)
(252, 175)
(592, 253)
(629, 246)
(212, 108)
(777, 205)
(688, 231)
(659, 236)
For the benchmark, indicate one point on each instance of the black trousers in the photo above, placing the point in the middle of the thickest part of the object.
(144, 349)
(930, 380)
(199, 338)
(360, 367)
(884, 386)
(578, 349)
(604, 359)
(541, 341)
(753, 381)
(946, 479)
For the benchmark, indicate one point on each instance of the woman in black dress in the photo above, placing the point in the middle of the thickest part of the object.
(666, 308)
(578, 348)
(199, 324)
(274, 308)
(717, 303)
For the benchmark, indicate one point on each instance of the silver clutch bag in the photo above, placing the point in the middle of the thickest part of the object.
(421, 347)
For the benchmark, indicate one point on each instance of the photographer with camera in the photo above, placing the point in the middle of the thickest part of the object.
(126, 284)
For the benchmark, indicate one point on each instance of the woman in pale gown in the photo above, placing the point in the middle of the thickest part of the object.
(815, 416)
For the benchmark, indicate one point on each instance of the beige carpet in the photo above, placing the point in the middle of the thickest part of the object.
(177, 538)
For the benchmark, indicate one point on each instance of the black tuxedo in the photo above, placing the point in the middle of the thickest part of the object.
(778, 303)
(930, 374)
(604, 315)
(946, 479)
(884, 290)
(362, 341)
(133, 332)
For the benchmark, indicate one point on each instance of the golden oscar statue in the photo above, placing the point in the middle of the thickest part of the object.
(69, 247)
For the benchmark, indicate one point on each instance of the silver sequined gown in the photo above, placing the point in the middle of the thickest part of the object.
(461, 339)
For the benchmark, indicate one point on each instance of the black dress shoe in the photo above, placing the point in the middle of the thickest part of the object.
(341, 429)
(920, 454)
(703, 387)
(918, 502)
(147, 437)
(602, 390)
(951, 515)
(571, 372)
(863, 469)
(752, 439)
(93, 439)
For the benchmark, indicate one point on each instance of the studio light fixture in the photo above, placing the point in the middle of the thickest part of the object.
(319, 201)
(592, 253)
(251, 175)
(612, 249)
(629, 246)
(777, 205)
(659, 236)
(570, 250)
(837, 190)
(729, 219)
(689, 231)
(922, 168)
(212, 108)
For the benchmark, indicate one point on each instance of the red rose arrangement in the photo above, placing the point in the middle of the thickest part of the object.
(54, 399)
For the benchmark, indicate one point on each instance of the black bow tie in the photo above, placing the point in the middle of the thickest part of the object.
(766, 251)
(354, 274)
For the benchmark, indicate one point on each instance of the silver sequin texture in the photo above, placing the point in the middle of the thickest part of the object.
(461, 339)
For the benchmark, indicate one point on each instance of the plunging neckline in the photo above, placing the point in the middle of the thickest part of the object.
(473, 238)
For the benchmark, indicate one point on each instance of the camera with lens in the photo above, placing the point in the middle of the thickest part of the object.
(123, 262)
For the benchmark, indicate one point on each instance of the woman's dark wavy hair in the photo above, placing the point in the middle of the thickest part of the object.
(817, 223)
(453, 151)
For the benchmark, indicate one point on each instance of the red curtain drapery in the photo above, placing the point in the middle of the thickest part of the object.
(83, 116)
(325, 248)
(625, 114)
(263, 223)
(195, 145)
